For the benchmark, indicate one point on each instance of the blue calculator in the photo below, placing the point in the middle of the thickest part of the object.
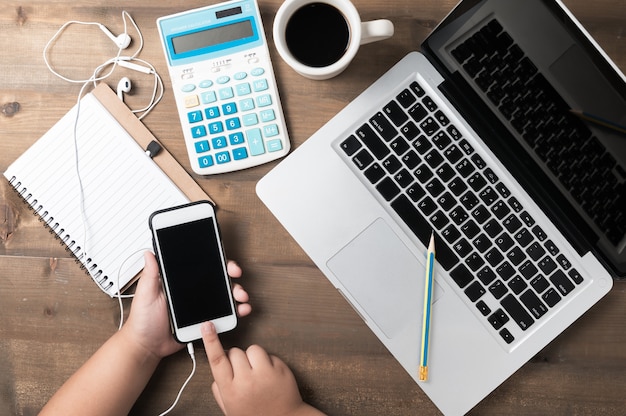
(224, 86)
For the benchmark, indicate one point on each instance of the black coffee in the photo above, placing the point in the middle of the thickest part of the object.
(317, 35)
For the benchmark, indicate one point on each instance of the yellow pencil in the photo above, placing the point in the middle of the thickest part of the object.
(428, 294)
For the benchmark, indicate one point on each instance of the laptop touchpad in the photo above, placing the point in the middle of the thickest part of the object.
(384, 276)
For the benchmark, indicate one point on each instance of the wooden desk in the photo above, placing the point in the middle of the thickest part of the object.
(52, 317)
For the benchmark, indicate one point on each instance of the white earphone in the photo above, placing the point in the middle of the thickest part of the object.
(123, 86)
(106, 69)
(122, 41)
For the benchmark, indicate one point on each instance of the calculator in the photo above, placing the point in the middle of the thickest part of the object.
(224, 86)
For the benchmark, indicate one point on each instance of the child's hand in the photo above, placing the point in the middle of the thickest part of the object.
(252, 382)
(148, 323)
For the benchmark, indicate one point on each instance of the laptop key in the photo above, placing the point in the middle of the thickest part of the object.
(517, 312)
(498, 319)
(395, 113)
(461, 276)
(405, 98)
(563, 284)
(350, 145)
(417, 89)
(575, 276)
(415, 192)
(475, 291)
(506, 335)
(547, 265)
(427, 206)
(383, 126)
(374, 173)
(388, 189)
(540, 284)
(551, 297)
(362, 159)
(498, 289)
(483, 308)
(462, 247)
(373, 142)
(418, 112)
(533, 304)
(486, 275)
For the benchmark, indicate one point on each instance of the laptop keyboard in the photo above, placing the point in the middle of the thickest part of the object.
(411, 154)
(564, 144)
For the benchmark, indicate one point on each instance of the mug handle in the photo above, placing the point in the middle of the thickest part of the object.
(376, 30)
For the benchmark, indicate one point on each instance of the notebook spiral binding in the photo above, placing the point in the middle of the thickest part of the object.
(59, 233)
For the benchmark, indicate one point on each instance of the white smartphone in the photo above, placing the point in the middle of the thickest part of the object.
(191, 259)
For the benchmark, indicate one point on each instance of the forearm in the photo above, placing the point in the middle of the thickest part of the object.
(109, 383)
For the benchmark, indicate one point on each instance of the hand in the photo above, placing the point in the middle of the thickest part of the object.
(252, 381)
(148, 322)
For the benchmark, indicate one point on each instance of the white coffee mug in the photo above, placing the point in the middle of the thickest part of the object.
(342, 49)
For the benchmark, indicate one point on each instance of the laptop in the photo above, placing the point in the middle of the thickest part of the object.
(474, 140)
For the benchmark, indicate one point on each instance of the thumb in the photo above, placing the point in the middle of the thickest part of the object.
(149, 281)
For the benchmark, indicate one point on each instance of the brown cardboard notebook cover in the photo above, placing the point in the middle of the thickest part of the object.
(143, 136)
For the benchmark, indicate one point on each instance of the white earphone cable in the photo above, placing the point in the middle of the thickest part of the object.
(157, 95)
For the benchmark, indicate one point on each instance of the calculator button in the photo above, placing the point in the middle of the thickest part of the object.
(207, 83)
(199, 131)
(229, 108)
(192, 101)
(250, 119)
(240, 153)
(226, 93)
(212, 112)
(216, 127)
(236, 138)
(223, 79)
(243, 89)
(240, 75)
(267, 115)
(202, 146)
(274, 145)
(219, 142)
(264, 100)
(256, 142)
(222, 157)
(233, 123)
(208, 97)
(188, 88)
(205, 161)
(270, 130)
(260, 85)
(194, 116)
(247, 104)
(257, 71)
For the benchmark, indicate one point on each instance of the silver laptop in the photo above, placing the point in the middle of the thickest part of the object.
(472, 139)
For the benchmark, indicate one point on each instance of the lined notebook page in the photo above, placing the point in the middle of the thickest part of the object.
(121, 187)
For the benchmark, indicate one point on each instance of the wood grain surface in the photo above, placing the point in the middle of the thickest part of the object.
(53, 317)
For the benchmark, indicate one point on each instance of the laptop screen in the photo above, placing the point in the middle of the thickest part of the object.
(550, 104)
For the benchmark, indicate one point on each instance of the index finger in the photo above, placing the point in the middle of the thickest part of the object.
(220, 364)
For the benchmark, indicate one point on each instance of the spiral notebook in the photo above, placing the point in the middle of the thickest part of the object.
(104, 222)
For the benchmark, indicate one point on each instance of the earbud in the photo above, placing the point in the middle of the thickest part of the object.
(123, 86)
(122, 41)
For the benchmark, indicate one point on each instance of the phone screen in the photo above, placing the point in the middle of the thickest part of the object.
(190, 255)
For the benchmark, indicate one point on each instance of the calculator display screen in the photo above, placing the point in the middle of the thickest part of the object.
(213, 36)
